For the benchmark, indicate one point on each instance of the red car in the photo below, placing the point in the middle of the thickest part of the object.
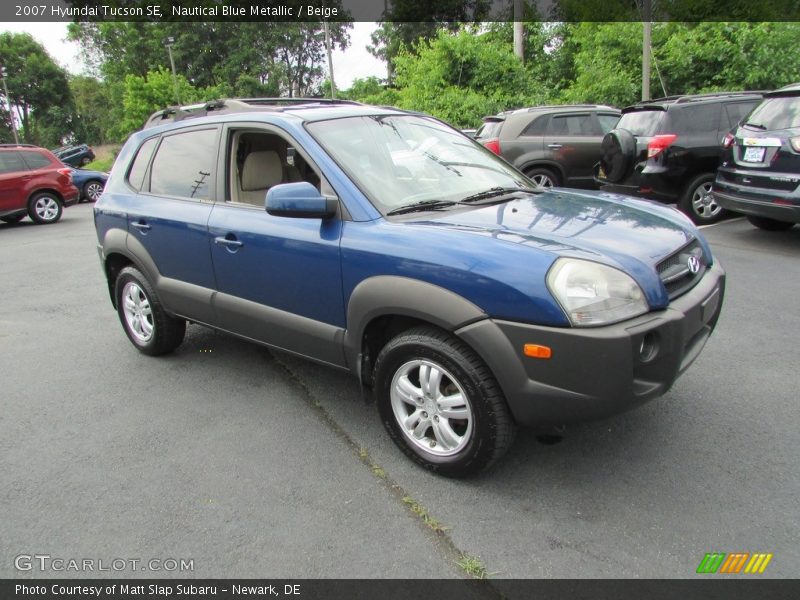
(35, 183)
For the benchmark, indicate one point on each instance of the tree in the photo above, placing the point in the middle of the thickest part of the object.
(40, 95)
(464, 76)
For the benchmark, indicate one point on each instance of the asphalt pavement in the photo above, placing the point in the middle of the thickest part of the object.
(257, 464)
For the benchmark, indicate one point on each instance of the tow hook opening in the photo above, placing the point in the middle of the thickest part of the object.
(648, 350)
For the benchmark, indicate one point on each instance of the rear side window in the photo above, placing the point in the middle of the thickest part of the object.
(701, 118)
(737, 111)
(607, 122)
(183, 165)
(777, 113)
(642, 122)
(36, 160)
(11, 162)
(572, 125)
(536, 127)
(139, 167)
(489, 129)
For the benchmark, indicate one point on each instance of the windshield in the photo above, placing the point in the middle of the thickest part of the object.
(776, 113)
(643, 123)
(398, 160)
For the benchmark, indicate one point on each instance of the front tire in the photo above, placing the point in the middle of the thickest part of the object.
(148, 326)
(440, 403)
(769, 224)
(699, 204)
(45, 208)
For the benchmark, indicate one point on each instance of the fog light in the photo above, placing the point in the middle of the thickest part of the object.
(649, 348)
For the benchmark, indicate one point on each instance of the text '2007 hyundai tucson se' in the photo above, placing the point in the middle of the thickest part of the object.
(392, 246)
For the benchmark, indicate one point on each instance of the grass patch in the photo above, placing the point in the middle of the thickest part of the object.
(472, 566)
(104, 158)
(419, 510)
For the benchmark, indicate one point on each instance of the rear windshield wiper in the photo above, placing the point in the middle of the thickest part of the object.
(421, 206)
(497, 191)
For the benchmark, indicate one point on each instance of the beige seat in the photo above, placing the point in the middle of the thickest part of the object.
(261, 171)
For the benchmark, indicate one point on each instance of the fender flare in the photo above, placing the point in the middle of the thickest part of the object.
(384, 295)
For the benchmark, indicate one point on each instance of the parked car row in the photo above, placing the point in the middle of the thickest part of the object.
(669, 149)
(36, 184)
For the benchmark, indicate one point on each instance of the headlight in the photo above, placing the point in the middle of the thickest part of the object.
(593, 294)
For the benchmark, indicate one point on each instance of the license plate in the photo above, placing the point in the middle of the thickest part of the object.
(754, 154)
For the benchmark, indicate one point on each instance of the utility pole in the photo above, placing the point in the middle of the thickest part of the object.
(647, 29)
(519, 50)
(170, 41)
(3, 74)
(330, 59)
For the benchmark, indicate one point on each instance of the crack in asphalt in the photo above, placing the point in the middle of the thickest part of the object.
(433, 530)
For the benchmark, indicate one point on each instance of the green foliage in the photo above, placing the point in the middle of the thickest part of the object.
(38, 89)
(142, 96)
(371, 91)
(462, 77)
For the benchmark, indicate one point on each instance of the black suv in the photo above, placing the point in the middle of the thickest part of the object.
(552, 145)
(760, 171)
(669, 149)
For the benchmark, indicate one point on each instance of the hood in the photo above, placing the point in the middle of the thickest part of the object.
(571, 222)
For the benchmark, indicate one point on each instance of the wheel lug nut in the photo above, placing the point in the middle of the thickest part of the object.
(436, 418)
(433, 443)
(424, 415)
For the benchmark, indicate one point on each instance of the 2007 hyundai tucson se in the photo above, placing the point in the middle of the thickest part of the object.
(390, 245)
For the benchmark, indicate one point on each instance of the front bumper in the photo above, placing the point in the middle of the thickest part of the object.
(597, 372)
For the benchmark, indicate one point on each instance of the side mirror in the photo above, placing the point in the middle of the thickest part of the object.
(299, 200)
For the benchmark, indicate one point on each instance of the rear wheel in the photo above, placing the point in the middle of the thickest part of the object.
(143, 317)
(699, 203)
(92, 190)
(769, 224)
(544, 179)
(44, 208)
(440, 403)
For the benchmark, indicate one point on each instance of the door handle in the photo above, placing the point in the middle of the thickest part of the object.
(554, 146)
(141, 226)
(229, 243)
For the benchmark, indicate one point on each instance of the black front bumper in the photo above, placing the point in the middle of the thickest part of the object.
(597, 372)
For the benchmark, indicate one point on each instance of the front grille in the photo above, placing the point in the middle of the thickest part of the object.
(675, 272)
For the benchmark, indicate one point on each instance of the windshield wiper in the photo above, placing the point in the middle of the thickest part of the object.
(497, 191)
(756, 126)
(421, 206)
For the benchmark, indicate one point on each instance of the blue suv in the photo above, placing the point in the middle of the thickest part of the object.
(390, 245)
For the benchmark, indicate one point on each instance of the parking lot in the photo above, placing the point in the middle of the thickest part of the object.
(256, 464)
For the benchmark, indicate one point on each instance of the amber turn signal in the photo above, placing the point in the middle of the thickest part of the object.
(537, 351)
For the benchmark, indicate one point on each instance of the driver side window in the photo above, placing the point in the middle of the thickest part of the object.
(260, 160)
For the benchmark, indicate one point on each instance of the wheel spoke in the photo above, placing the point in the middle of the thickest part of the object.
(421, 428)
(407, 391)
(445, 435)
(412, 420)
(429, 378)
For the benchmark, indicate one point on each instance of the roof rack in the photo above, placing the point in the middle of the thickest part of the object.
(18, 146)
(686, 98)
(237, 105)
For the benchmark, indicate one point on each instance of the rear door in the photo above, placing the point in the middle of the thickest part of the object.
(167, 221)
(573, 141)
(13, 177)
